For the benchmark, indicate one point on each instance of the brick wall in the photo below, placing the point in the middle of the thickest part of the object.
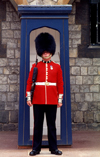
(84, 78)
(9, 67)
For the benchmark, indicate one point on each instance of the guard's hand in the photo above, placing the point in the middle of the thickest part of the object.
(59, 105)
(29, 103)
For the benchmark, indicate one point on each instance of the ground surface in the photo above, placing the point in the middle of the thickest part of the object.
(85, 144)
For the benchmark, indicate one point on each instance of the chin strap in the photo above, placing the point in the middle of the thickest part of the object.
(47, 57)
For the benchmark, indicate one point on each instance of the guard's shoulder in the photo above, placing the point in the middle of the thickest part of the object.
(56, 64)
(33, 65)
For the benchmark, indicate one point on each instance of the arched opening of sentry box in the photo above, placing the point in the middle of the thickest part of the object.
(55, 58)
(53, 19)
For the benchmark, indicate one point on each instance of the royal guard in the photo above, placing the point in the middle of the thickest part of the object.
(48, 93)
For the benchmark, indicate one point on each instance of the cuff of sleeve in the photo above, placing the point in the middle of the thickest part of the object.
(28, 96)
(60, 98)
(60, 101)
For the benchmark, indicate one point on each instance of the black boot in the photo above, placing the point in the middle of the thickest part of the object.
(56, 152)
(34, 152)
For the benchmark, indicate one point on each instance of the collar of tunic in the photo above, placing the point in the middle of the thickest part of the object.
(46, 61)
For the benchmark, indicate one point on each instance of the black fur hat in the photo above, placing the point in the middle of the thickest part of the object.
(45, 42)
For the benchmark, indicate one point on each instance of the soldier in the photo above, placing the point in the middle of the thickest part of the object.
(48, 93)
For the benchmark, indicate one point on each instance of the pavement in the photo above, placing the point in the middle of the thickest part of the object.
(85, 144)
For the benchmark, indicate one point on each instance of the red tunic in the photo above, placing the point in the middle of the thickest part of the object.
(46, 94)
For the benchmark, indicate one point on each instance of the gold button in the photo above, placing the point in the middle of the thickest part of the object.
(46, 83)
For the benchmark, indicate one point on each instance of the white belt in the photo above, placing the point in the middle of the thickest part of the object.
(45, 83)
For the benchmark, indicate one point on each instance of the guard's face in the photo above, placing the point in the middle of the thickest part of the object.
(46, 55)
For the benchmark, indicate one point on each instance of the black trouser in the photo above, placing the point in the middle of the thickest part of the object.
(50, 111)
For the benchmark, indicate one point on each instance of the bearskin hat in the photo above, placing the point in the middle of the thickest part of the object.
(45, 42)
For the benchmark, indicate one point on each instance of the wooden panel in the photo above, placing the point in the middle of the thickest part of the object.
(18, 2)
(63, 1)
